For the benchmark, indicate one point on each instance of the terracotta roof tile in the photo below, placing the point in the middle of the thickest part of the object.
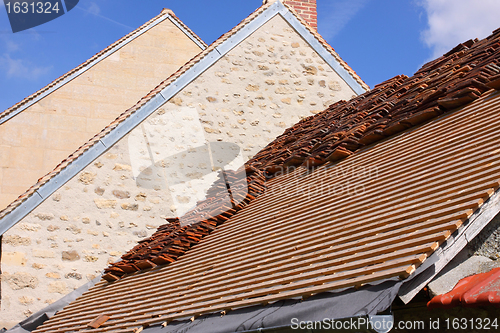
(476, 290)
(304, 236)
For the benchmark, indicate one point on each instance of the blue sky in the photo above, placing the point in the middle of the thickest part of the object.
(377, 38)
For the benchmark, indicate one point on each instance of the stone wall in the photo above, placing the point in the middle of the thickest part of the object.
(266, 84)
(487, 242)
(37, 139)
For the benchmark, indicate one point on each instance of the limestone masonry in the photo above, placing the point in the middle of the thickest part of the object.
(264, 85)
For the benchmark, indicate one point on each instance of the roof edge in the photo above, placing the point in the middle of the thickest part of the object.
(479, 219)
(342, 69)
(94, 60)
(128, 120)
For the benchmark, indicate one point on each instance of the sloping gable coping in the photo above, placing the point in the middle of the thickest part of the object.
(58, 83)
(101, 143)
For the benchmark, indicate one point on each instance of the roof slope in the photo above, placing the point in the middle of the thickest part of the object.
(160, 95)
(455, 79)
(311, 232)
(33, 98)
(373, 216)
(477, 290)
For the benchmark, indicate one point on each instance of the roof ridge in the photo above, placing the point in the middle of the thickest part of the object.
(150, 96)
(94, 59)
(172, 14)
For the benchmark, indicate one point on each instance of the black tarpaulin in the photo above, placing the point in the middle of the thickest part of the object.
(367, 300)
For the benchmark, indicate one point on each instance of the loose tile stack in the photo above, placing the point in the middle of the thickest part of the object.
(453, 80)
(229, 194)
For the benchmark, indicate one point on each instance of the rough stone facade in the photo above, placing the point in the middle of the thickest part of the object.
(41, 136)
(487, 242)
(266, 84)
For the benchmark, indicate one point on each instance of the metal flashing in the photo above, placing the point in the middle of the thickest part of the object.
(320, 49)
(191, 74)
(71, 170)
(248, 29)
(187, 33)
(84, 69)
(20, 212)
(164, 96)
(133, 121)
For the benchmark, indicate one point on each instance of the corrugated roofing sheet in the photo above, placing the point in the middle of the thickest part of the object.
(376, 215)
(477, 290)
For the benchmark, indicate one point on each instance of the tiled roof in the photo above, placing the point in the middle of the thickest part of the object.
(96, 58)
(375, 215)
(157, 92)
(477, 290)
(455, 79)
(305, 234)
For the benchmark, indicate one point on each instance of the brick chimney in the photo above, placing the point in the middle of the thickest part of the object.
(307, 9)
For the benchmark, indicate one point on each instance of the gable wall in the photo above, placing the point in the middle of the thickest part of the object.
(266, 84)
(37, 139)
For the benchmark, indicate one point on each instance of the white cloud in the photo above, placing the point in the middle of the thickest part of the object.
(336, 15)
(11, 46)
(19, 68)
(94, 9)
(455, 21)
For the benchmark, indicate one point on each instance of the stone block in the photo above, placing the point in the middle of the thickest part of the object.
(73, 275)
(70, 255)
(121, 194)
(86, 177)
(20, 280)
(32, 227)
(40, 253)
(58, 287)
(53, 275)
(44, 216)
(104, 204)
(16, 240)
(89, 258)
(74, 229)
(14, 258)
(25, 300)
(122, 167)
